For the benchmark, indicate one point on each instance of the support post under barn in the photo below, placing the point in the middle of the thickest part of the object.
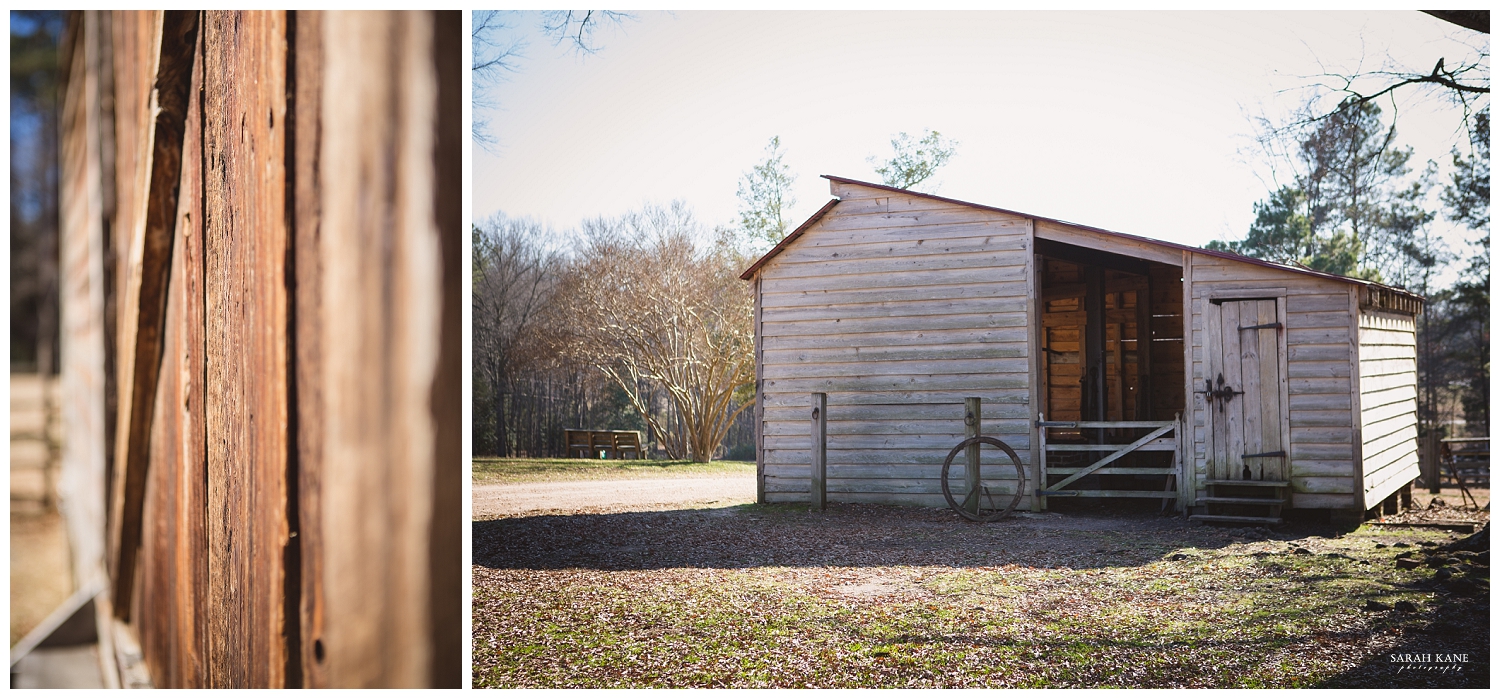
(819, 486)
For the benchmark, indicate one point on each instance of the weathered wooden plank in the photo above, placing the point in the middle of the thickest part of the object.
(846, 311)
(388, 353)
(977, 382)
(1315, 303)
(144, 301)
(1340, 368)
(245, 251)
(819, 465)
(1321, 501)
(906, 339)
(304, 125)
(779, 399)
(944, 413)
(1321, 418)
(821, 235)
(894, 265)
(951, 367)
(1329, 319)
(857, 248)
(1323, 485)
(1049, 230)
(1321, 467)
(930, 292)
(1319, 401)
(839, 424)
(1338, 385)
(993, 350)
(1322, 435)
(916, 457)
(172, 604)
(857, 326)
(914, 278)
(1301, 450)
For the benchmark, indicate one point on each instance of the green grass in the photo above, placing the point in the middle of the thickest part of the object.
(495, 470)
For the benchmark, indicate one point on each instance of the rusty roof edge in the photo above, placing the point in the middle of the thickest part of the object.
(750, 273)
(1152, 241)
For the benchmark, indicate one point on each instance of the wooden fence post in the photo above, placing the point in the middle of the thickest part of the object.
(819, 451)
(972, 428)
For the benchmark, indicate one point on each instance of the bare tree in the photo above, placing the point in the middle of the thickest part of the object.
(652, 307)
(514, 278)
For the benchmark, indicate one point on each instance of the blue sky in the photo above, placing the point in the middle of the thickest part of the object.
(1132, 121)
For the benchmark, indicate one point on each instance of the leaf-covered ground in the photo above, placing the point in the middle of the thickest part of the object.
(873, 596)
(495, 470)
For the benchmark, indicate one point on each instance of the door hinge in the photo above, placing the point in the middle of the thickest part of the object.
(1265, 454)
(1262, 326)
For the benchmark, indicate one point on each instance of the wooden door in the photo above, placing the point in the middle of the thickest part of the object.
(1243, 390)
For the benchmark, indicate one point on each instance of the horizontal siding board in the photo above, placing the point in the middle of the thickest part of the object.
(905, 338)
(1315, 353)
(1301, 468)
(1303, 369)
(837, 427)
(1321, 418)
(989, 396)
(927, 292)
(914, 367)
(978, 239)
(887, 309)
(912, 457)
(837, 413)
(825, 355)
(962, 382)
(786, 270)
(1322, 451)
(856, 326)
(1325, 485)
(892, 280)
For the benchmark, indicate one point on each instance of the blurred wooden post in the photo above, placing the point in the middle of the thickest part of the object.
(972, 428)
(1428, 458)
(819, 451)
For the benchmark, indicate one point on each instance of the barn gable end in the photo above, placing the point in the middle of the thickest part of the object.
(898, 307)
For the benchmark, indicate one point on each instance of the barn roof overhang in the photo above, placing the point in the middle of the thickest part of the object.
(1403, 297)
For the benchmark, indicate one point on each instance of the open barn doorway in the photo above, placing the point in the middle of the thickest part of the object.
(1111, 339)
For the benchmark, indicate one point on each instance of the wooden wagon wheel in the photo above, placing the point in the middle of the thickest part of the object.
(994, 513)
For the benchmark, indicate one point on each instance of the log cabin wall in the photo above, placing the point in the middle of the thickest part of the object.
(284, 489)
(898, 307)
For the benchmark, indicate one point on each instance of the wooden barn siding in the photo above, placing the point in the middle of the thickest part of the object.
(1320, 357)
(1388, 402)
(301, 509)
(83, 291)
(898, 308)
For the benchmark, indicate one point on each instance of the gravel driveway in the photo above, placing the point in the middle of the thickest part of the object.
(510, 499)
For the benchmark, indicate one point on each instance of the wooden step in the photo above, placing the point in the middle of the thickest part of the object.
(1253, 484)
(1243, 501)
(1233, 518)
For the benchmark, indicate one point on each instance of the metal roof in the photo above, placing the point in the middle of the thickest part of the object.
(750, 272)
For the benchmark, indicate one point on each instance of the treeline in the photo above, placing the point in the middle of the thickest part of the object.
(1354, 205)
(638, 323)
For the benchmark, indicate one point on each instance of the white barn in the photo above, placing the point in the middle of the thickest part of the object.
(1263, 386)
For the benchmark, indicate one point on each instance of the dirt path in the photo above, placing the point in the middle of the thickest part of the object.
(509, 499)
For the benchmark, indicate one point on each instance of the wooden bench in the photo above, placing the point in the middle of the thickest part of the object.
(607, 444)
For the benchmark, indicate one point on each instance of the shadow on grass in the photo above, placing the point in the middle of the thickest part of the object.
(748, 536)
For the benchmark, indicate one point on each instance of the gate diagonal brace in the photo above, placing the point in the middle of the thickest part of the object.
(1112, 457)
